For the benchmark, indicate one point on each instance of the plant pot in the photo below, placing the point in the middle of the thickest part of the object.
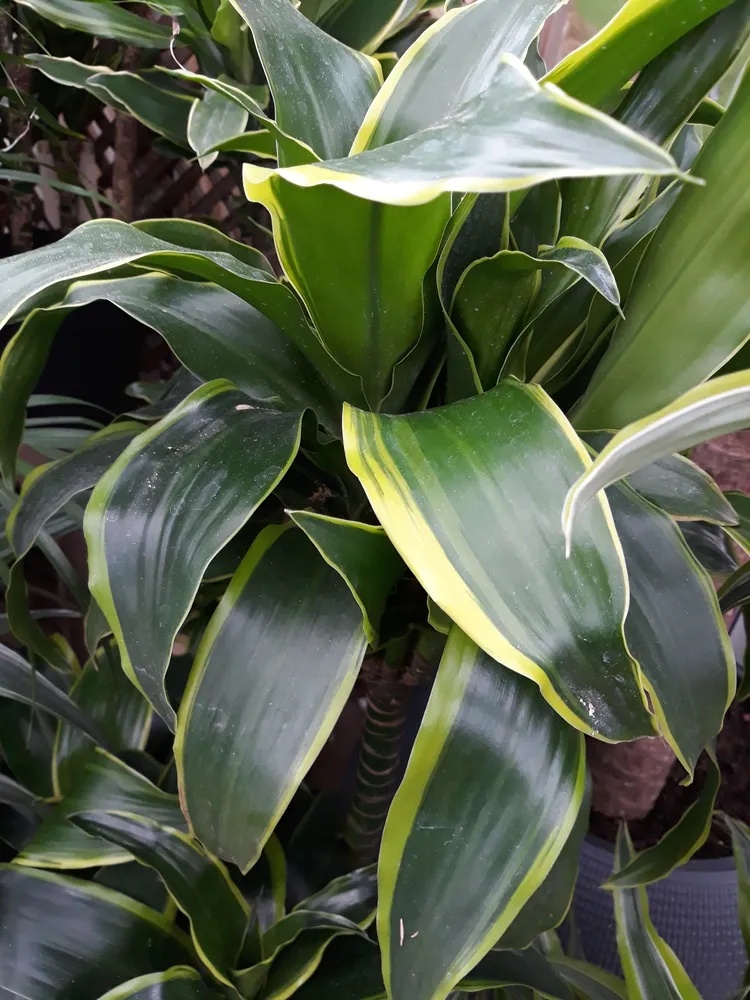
(694, 910)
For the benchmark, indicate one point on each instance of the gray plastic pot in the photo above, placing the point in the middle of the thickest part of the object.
(694, 910)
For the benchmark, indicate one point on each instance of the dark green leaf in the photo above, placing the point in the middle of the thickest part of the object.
(20, 683)
(101, 782)
(359, 23)
(62, 938)
(735, 592)
(441, 482)
(27, 739)
(103, 19)
(590, 982)
(741, 849)
(178, 983)
(13, 794)
(189, 483)
(285, 616)
(678, 845)
(364, 557)
(450, 885)
(213, 119)
(160, 108)
(199, 884)
(53, 650)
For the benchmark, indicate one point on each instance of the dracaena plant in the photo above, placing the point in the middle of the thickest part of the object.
(488, 270)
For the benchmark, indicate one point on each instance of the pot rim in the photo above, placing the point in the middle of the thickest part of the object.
(713, 870)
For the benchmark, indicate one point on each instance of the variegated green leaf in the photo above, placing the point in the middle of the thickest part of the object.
(702, 413)
(513, 134)
(97, 782)
(359, 23)
(286, 615)
(457, 491)
(189, 482)
(651, 967)
(678, 845)
(321, 94)
(449, 885)
(104, 19)
(213, 119)
(199, 883)
(701, 246)
(62, 937)
(178, 983)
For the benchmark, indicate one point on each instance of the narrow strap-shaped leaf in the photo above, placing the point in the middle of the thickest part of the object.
(20, 683)
(677, 485)
(99, 782)
(213, 119)
(13, 794)
(104, 20)
(159, 108)
(513, 134)
(383, 253)
(702, 413)
(361, 24)
(527, 969)
(199, 883)
(362, 554)
(677, 845)
(452, 61)
(740, 834)
(674, 627)
(457, 490)
(178, 983)
(591, 982)
(170, 502)
(53, 650)
(739, 529)
(651, 967)
(703, 240)
(353, 895)
(438, 865)
(49, 487)
(117, 707)
(322, 94)
(215, 334)
(287, 624)
(638, 32)
(64, 937)
(735, 591)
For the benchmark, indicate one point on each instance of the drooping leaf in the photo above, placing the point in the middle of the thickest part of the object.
(100, 782)
(364, 557)
(592, 982)
(677, 485)
(651, 967)
(353, 896)
(459, 860)
(199, 883)
(701, 246)
(383, 253)
(260, 143)
(20, 683)
(13, 794)
(215, 334)
(53, 650)
(104, 19)
(678, 845)
(61, 937)
(658, 103)
(452, 61)
(178, 983)
(213, 119)
(322, 93)
(638, 32)
(702, 413)
(159, 108)
(49, 487)
(189, 483)
(674, 627)
(513, 134)
(115, 705)
(274, 668)
(457, 489)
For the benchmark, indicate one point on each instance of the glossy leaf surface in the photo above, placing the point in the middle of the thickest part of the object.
(178, 983)
(638, 32)
(678, 845)
(693, 276)
(457, 489)
(199, 884)
(61, 937)
(674, 627)
(322, 94)
(19, 682)
(102, 782)
(48, 488)
(13, 794)
(213, 119)
(382, 255)
(702, 413)
(362, 554)
(185, 486)
(512, 135)
(105, 20)
(651, 967)
(274, 668)
(452, 61)
(459, 860)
